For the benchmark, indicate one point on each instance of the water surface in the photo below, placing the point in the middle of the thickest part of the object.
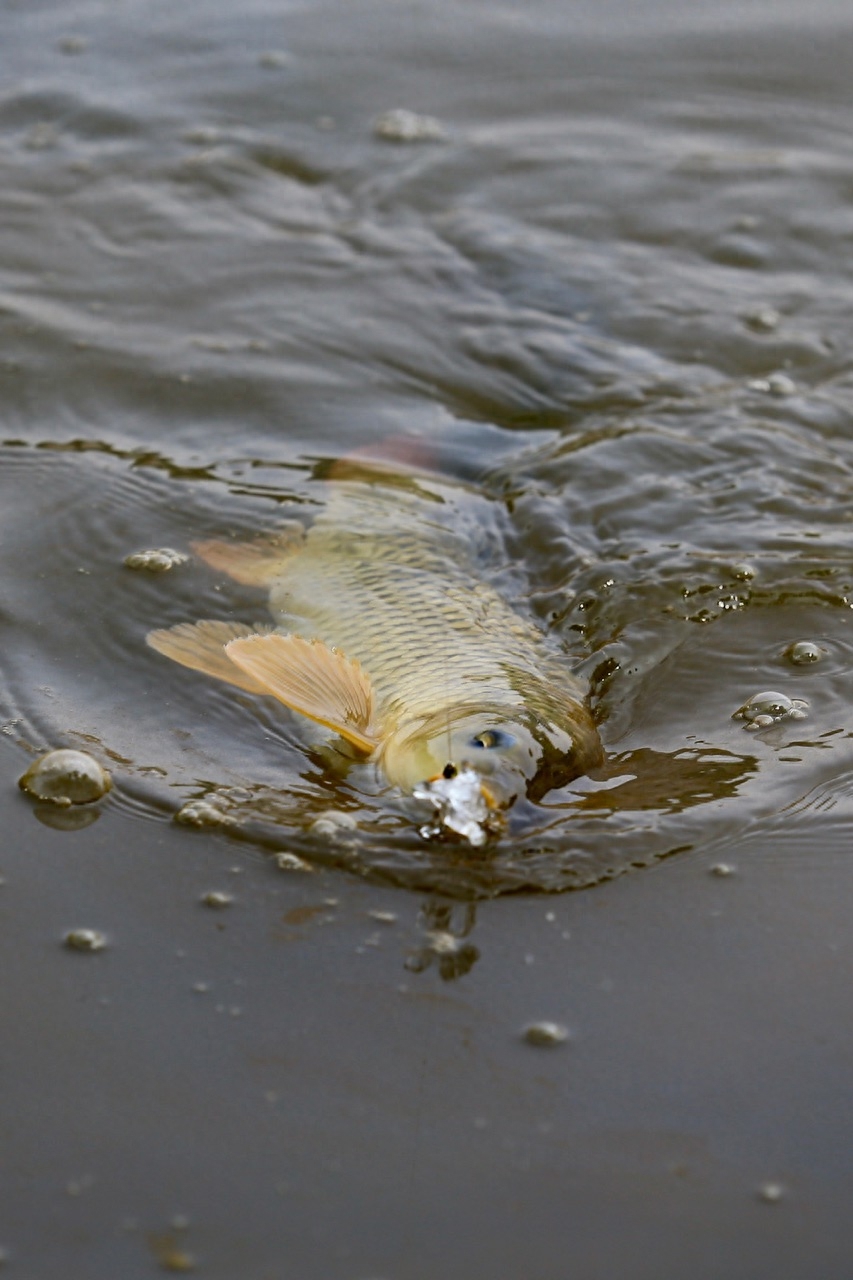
(613, 301)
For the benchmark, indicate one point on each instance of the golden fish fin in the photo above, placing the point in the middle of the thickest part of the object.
(201, 646)
(257, 563)
(309, 677)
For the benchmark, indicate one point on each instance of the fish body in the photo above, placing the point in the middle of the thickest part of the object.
(385, 631)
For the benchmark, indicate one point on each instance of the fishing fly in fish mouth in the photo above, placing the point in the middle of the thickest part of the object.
(385, 632)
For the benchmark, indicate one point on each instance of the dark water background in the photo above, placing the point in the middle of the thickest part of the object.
(615, 296)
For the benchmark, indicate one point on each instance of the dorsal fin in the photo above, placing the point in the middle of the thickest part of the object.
(201, 646)
(256, 563)
(309, 677)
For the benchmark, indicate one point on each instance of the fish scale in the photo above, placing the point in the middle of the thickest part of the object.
(408, 606)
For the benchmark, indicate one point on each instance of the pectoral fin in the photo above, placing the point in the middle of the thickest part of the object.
(257, 563)
(309, 677)
(201, 646)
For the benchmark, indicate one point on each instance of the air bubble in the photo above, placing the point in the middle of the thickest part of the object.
(201, 813)
(333, 823)
(804, 652)
(291, 862)
(781, 385)
(85, 940)
(545, 1035)
(777, 384)
(762, 319)
(157, 560)
(216, 899)
(66, 777)
(400, 125)
(769, 708)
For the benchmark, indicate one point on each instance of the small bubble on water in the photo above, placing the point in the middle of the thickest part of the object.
(201, 813)
(742, 571)
(722, 869)
(804, 652)
(762, 319)
(777, 384)
(291, 862)
(216, 899)
(334, 822)
(545, 1035)
(400, 125)
(155, 560)
(771, 1192)
(66, 777)
(85, 940)
(781, 385)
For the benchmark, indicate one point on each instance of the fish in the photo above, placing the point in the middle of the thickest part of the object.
(386, 631)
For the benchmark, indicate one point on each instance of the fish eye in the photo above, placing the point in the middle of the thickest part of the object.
(491, 738)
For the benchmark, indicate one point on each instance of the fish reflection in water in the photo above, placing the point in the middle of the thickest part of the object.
(386, 633)
(665, 782)
(446, 928)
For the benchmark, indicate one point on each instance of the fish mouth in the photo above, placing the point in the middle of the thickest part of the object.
(465, 804)
(497, 794)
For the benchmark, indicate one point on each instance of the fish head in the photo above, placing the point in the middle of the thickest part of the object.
(515, 752)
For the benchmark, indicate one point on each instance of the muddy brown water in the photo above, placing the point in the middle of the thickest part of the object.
(613, 300)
